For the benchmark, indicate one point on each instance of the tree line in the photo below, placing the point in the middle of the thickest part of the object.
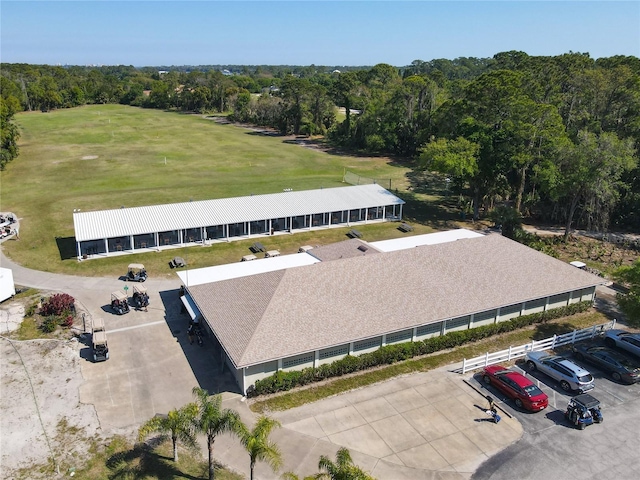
(554, 138)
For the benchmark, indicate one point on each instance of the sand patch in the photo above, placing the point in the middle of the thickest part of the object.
(89, 157)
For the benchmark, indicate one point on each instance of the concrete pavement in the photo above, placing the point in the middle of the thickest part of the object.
(422, 426)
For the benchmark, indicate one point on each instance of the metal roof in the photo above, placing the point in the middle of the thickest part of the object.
(223, 211)
(403, 243)
(229, 271)
(259, 318)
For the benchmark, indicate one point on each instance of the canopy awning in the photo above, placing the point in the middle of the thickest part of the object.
(190, 305)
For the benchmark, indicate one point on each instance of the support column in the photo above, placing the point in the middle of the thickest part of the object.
(106, 245)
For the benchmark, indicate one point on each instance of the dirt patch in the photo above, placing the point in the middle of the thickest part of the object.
(43, 421)
(89, 157)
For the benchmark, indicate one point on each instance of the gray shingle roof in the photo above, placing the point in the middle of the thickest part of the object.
(280, 314)
(341, 250)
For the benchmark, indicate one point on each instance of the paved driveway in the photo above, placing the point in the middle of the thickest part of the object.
(422, 426)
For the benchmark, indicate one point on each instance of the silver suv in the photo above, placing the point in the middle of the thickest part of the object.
(568, 374)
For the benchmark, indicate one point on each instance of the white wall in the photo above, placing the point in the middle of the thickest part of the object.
(7, 288)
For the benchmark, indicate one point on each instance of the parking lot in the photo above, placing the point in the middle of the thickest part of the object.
(554, 448)
(422, 426)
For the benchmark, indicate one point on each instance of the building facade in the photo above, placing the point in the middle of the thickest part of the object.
(350, 300)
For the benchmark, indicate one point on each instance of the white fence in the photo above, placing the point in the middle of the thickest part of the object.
(534, 346)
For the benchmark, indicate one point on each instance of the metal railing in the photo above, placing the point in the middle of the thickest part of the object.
(535, 346)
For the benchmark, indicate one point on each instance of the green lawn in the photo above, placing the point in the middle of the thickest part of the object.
(107, 156)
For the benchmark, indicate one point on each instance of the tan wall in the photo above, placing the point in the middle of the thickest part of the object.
(258, 372)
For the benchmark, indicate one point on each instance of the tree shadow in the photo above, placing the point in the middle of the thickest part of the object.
(66, 247)
(546, 330)
(142, 462)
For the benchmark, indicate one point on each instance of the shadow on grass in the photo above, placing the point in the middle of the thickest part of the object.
(143, 462)
(546, 330)
(66, 247)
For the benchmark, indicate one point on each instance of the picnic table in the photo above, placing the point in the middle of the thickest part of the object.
(257, 247)
(353, 233)
(178, 262)
(272, 253)
(248, 258)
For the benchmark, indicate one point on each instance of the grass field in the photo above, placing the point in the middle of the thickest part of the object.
(108, 156)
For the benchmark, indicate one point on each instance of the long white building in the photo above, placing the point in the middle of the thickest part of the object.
(139, 229)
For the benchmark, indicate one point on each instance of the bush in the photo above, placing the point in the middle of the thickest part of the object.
(58, 304)
(67, 321)
(49, 324)
(282, 381)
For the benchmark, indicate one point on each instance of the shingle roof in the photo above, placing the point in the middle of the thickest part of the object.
(341, 250)
(280, 314)
(223, 211)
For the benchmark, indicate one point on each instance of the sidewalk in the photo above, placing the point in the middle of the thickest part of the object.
(420, 426)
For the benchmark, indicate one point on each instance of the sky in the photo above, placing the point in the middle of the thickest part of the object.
(328, 33)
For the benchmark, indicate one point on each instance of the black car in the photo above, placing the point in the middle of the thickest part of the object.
(621, 367)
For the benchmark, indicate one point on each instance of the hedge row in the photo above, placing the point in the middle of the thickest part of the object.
(282, 381)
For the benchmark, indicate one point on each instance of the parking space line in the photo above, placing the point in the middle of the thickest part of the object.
(123, 329)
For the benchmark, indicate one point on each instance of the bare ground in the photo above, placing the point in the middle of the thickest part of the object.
(43, 428)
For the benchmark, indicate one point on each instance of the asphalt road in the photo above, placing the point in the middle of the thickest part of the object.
(552, 448)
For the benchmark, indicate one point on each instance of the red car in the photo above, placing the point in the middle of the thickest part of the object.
(515, 385)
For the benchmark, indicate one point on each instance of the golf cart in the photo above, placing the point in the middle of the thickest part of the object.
(140, 296)
(583, 410)
(136, 273)
(99, 341)
(119, 302)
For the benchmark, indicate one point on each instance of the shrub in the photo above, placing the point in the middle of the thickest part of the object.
(67, 321)
(49, 324)
(58, 304)
(282, 381)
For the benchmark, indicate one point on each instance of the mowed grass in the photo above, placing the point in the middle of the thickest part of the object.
(107, 156)
(315, 392)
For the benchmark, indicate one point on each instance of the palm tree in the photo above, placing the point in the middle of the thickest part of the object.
(177, 423)
(293, 476)
(212, 421)
(342, 469)
(258, 445)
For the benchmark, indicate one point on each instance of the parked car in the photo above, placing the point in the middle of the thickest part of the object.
(621, 367)
(568, 374)
(514, 385)
(622, 339)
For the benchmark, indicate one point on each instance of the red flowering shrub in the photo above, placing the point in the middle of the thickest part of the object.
(67, 321)
(57, 305)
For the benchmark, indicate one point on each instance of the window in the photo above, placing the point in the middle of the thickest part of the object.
(365, 344)
(458, 322)
(334, 352)
(292, 362)
(431, 328)
(399, 336)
